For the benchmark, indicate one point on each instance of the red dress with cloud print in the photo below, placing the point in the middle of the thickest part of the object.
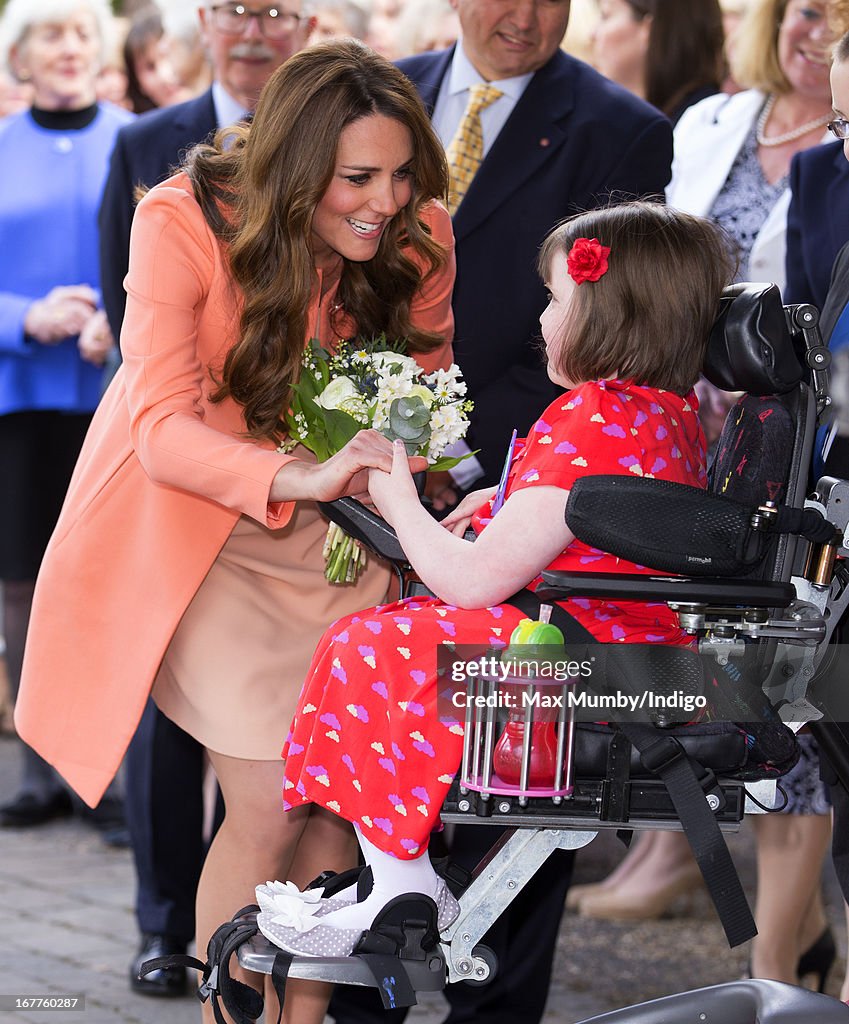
(367, 741)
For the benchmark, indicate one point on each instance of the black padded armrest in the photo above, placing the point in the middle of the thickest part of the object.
(558, 586)
(363, 525)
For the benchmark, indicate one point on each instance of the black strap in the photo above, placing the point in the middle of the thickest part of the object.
(665, 756)
(279, 976)
(170, 960)
(808, 523)
(391, 980)
(614, 801)
(662, 754)
(241, 1002)
(573, 632)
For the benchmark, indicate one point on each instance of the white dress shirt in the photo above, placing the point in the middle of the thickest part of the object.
(227, 110)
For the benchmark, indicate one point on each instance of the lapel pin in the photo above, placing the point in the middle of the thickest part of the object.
(545, 142)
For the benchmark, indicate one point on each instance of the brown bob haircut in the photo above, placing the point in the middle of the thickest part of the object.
(649, 317)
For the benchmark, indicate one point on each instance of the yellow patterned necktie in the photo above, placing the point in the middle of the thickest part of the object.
(465, 151)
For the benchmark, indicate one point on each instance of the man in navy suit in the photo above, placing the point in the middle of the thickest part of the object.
(164, 768)
(560, 139)
(817, 221)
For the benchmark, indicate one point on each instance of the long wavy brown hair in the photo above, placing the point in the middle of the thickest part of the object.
(258, 186)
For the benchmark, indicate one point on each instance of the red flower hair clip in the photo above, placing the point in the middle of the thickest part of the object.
(587, 260)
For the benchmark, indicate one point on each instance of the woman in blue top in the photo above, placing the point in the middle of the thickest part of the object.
(53, 337)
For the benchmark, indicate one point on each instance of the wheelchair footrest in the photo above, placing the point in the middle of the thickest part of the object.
(425, 975)
(592, 804)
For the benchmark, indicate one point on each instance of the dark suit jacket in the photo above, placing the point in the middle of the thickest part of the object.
(144, 156)
(573, 139)
(837, 463)
(817, 222)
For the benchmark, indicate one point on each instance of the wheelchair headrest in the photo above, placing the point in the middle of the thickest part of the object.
(750, 346)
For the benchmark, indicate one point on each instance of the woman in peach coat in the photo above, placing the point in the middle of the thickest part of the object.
(188, 555)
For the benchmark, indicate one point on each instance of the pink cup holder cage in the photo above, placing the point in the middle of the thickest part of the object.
(527, 706)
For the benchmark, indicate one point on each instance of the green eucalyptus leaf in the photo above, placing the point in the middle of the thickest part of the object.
(409, 419)
(450, 461)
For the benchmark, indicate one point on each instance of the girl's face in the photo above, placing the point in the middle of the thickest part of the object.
(620, 44)
(372, 181)
(561, 289)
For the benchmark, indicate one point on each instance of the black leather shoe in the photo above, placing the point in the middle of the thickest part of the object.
(27, 810)
(169, 982)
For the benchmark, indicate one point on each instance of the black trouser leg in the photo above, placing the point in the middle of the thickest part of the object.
(164, 806)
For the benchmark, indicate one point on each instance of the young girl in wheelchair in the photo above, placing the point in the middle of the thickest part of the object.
(633, 293)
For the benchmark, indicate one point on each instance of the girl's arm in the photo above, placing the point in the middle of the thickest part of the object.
(526, 536)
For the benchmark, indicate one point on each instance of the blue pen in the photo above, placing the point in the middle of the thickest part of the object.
(498, 500)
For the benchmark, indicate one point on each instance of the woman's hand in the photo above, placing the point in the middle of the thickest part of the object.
(459, 519)
(345, 474)
(393, 491)
(61, 314)
(96, 341)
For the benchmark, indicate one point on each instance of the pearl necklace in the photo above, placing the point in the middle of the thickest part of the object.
(794, 133)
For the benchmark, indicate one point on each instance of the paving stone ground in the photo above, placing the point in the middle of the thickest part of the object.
(67, 927)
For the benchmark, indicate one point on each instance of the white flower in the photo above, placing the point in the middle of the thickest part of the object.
(342, 394)
(386, 360)
(337, 392)
(420, 391)
(447, 384)
(448, 423)
(390, 387)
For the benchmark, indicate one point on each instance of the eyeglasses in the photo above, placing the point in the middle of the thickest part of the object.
(839, 128)
(234, 19)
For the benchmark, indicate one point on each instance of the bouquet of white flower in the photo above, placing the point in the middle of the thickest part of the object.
(373, 384)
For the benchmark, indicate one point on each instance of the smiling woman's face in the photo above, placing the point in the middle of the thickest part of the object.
(61, 60)
(372, 181)
(804, 47)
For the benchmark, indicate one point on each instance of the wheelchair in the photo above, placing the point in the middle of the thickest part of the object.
(756, 573)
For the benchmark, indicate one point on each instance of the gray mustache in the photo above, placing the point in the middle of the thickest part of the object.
(249, 51)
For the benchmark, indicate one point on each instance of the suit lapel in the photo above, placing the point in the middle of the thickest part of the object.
(838, 200)
(837, 291)
(429, 81)
(196, 120)
(534, 132)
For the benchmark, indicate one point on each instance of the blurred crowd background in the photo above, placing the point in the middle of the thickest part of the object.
(156, 57)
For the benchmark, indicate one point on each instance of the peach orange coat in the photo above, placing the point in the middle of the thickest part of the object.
(162, 479)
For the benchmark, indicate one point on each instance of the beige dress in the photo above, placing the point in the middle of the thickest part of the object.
(235, 666)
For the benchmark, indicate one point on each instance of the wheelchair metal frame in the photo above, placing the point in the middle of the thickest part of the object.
(799, 635)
